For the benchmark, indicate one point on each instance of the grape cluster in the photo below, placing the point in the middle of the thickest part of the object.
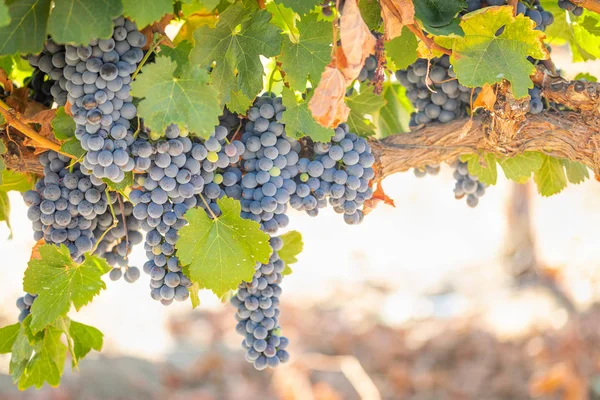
(339, 175)
(530, 8)
(257, 304)
(427, 170)
(570, 6)
(65, 205)
(118, 240)
(442, 100)
(98, 84)
(24, 304)
(368, 70)
(270, 162)
(466, 184)
(49, 81)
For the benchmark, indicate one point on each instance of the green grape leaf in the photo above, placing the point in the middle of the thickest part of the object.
(120, 186)
(194, 297)
(370, 10)
(452, 29)
(5, 210)
(284, 18)
(80, 21)
(550, 178)
(59, 282)
(309, 54)
(8, 337)
(239, 102)
(292, 246)
(179, 54)
(47, 364)
(585, 76)
(365, 102)
(73, 147)
(240, 37)
(85, 339)
(394, 116)
(495, 47)
(4, 15)
(578, 32)
(186, 99)
(22, 349)
(63, 125)
(26, 31)
(402, 50)
(486, 171)
(438, 13)
(298, 119)
(221, 253)
(576, 172)
(145, 12)
(520, 167)
(300, 6)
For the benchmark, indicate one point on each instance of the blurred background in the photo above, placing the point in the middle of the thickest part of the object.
(429, 300)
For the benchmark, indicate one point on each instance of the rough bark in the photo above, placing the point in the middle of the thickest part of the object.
(571, 131)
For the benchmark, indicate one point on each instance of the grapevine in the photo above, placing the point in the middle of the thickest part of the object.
(201, 142)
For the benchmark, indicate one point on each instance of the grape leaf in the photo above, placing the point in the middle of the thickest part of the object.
(292, 246)
(4, 15)
(5, 210)
(80, 21)
(47, 364)
(17, 181)
(194, 297)
(371, 13)
(394, 116)
(484, 56)
(285, 18)
(85, 339)
(576, 172)
(26, 32)
(180, 54)
(367, 102)
(309, 54)
(550, 178)
(402, 50)
(59, 282)
(438, 13)
(221, 253)
(300, 6)
(145, 12)
(120, 186)
(299, 121)
(586, 76)
(236, 43)
(452, 29)
(63, 125)
(239, 102)
(486, 172)
(520, 167)
(8, 336)
(73, 147)
(185, 99)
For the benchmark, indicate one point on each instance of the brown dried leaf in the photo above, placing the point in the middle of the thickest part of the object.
(158, 27)
(378, 195)
(486, 98)
(396, 14)
(44, 119)
(327, 105)
(20, 101)
(357, 41)
(35, 251)
(5, 81)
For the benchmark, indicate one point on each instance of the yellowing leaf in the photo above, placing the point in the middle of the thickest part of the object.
(495, 47)
(486, 98)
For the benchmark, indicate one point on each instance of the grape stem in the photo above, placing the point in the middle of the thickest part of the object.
(157, 43)
(210, 211)
(427, 40)
(11, 118)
